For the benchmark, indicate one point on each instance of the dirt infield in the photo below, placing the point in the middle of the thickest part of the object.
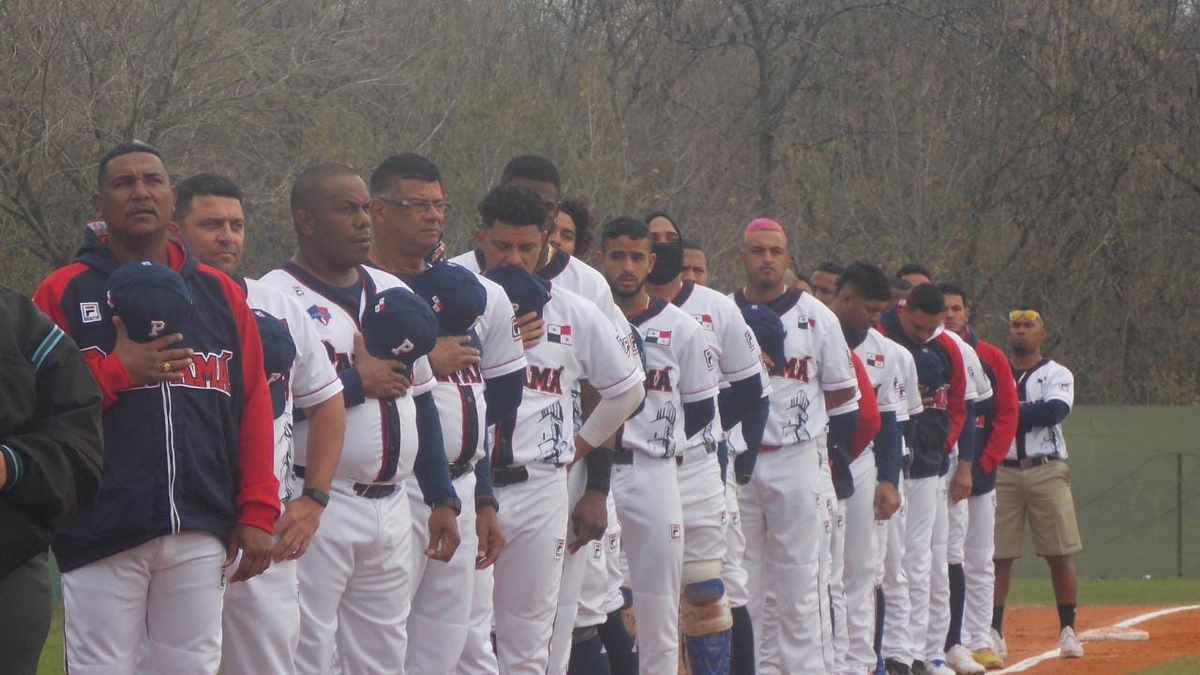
(1030, 631)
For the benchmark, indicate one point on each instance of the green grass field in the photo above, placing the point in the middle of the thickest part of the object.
(1023, 592)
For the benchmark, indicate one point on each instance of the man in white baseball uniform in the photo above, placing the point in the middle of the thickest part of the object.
(781, 507)
(973, 582)
(530, 458)
(707, 629)
(861, 295)
(916, 325)
(260, 623)
(354, 580)
(681, 383)
(479, 365)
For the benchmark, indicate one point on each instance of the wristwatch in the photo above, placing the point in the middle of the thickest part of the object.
(486, 500)
(454, 503)
(319, 496)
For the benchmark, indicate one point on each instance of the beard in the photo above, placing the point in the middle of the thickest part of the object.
(626, 294)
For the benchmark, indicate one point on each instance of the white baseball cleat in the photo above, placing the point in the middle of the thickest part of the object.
(1068, 645)
(999, 646)
(961, 661)
(938, 667)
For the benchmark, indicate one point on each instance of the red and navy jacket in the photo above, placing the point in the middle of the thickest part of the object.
(197, 454)
(869, 420)
(943, 384)
(998, 426)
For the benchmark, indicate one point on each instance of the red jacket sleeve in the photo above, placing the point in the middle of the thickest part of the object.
(956, 406)
(868, 410)
(258, 488)
(107, 369)
(1004, 407)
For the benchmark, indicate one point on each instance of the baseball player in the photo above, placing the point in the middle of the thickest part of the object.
(354, 580)
(681, 383)
(707, 628)
(781, 516)
(529, 458)
(479, 364)
(261, 618)
(914, 324)
(175, 508)
(861, 294)
(1034, 482)
(996, 426)
(695, 263)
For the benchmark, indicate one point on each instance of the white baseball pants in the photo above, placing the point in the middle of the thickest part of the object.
(939, 577)
(355, 585)
(575, 568)
(442, 591)
(261, 623)
(733, 574)
(923, 495)
(979, 570)
(533, 517)
(167, 592)
(858, 572)
(897, 638)
(652, 537)
(782, 520)
(478, 657)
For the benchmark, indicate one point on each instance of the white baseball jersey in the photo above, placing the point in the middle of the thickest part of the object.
(878, 356)
(729, 339)
(312, 380)
(1047, 381)
(578, 344)
(460, 396)
(371, 453)
(680, 368)
(818, 360)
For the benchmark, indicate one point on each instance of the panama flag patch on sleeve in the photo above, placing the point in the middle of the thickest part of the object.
(658, 337)
(559, 334)
(705, 320)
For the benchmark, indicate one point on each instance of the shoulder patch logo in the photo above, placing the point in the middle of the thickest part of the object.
(89, 312)
(557, 333)
(320, 313)
(705, 320)
(805, 322)
(658, 337)
(875, 360)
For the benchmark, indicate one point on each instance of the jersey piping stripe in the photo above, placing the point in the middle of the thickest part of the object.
(46, 347)
(684, 293)
(470, 424)
(391, 431)
(1023, 377)
(655, 308)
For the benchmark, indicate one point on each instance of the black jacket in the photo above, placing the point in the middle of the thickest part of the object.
(49, 431)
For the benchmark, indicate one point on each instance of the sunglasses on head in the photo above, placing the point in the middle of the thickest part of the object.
(1024, 315)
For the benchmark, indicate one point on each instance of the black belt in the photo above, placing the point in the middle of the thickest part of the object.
(622, 456)
(367, 490)
(1030, 462)
(460, 469)
(509, 475)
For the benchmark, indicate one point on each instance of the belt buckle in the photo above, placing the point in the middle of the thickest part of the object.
(1027, 462)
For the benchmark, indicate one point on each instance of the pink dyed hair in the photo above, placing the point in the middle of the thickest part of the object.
(762, 225)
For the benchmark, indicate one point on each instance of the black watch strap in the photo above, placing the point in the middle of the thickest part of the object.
(454, 503)
(487, 500)
(319, 496)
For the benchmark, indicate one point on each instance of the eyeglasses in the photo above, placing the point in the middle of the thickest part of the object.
(1024, 315)
(418, 205)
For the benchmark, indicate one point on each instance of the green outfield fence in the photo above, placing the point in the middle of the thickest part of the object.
(1135, 472)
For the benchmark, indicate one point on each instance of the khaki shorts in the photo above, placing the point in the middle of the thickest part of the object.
(1043, 493)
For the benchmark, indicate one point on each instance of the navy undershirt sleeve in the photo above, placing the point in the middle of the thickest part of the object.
(753, 425)
(697, 415)
(888, 454)
(1044, 414)
(431, 469)
(503, 396)
(841, 427)
(966, 437)
(738, 399)
(483, 477)
(352, 387)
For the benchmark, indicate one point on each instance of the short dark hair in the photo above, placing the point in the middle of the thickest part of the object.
(914, 268)
(578, 210)
(123, 148)
(405, 166)
(663, 214)
(512, 205)
(900, 284)
(531, 167)
(624, 226)
(831, 268)
(309, 181)
(690, 245)
(927, 298)
(867, 280)
(203, 185)
(955, 289)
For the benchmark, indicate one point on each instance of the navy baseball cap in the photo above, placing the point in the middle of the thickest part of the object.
(152, 300)
(769, 330)
(455, 294)
(279, 353)
(526, 292)
(399, 325)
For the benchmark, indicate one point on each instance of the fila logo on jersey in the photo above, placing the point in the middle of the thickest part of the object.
(658, 379)
(614, 544)
(805, 322)
(705, 320)
(676, 532)
(560, 334)
(750, 339)
(708, 358)
(548, 380)
(320, 314)
(658, 337)
(875, 360)
(516, 330)
(89, 312)
(560, 548)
